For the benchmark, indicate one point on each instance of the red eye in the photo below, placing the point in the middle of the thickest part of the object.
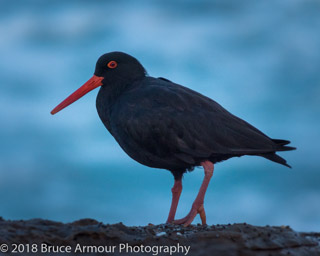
(112, 64)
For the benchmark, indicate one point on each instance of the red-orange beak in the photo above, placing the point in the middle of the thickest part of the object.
(91, 84)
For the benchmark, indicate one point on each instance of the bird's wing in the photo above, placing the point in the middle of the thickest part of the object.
(165, 117)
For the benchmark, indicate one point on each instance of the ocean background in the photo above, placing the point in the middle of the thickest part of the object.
(258, 59)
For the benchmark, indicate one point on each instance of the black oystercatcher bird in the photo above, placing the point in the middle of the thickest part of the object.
(164, 125)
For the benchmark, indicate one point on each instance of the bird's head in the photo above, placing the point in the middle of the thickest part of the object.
(110, 68)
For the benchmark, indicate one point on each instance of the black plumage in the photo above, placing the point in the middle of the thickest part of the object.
(165, 125)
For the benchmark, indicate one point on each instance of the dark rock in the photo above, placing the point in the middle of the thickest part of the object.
(105, 239)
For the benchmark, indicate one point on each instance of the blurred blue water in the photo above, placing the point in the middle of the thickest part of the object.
(259, 59)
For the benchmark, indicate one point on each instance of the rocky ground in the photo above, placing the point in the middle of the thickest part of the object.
(90, 237)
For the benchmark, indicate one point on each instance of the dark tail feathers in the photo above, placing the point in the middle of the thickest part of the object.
(281, 146)
(275, 158)
(281, 142)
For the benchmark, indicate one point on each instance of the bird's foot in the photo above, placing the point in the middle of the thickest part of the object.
(196, 208)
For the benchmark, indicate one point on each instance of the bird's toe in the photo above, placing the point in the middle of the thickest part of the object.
(186, 221)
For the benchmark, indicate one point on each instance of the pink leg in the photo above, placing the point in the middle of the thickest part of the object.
(176, 192)
(197, 206)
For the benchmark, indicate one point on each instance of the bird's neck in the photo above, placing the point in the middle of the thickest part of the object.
(108, 95)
